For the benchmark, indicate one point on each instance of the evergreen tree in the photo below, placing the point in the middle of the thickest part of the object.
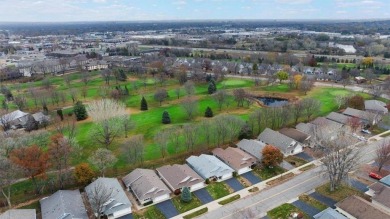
(166, 119)
(212, 89)
(122, 75)
(144, 104)
(60, 114)
(209, 113)
(245, 132)
(186, 195)
(80, 111)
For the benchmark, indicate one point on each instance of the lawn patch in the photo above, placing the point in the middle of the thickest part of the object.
(284, 211)
(149, 213)
(228, 200)
(295, 161)
(217, 190)
(313, 202)
(308, 167)
(266, 173)
(184, 207)
(196, 213)
(340, 193)
(280, 179)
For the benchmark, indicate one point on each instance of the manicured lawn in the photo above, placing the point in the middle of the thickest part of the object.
(295, 161)
(282, 88)
(217, 190)
(339, 194)
(284, 211)
(150, 213)
(266, 173)
(184, 207)
(196, 213)
(313, 202)
(34, 205)
(228, 200)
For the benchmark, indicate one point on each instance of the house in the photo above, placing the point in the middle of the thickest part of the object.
(357, 207)
(306, 128)
(146, 186)
(63, 204)
(210, 167)
(375, 106)
(365, 116)
(96, 65)
(118, 205)
(380, 196)
(360, 79)
(385, 180)
(19, 213)
(329, 213)
(40, 117)
(338, 117)
(16, 119)
(252, 147)
(286, 145)
(237, 159)
(297, 135)
(176, 177)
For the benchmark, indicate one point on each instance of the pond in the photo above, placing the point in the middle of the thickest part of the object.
(272, 101)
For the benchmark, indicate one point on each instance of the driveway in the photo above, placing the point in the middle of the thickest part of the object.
(305, 156)
(129, 216)
(167, 208)
(358, 185)
(325, 200)
(252, 178)
(286, 165)
(203, 195)
(234, 184)
(308, 209)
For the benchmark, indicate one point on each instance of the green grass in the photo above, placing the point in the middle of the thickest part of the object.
(340, 193)
(196, 213)
(265, 173)
(184, 207)
(217, 190)
(284, 211)
(150, 213)
(35, 205)
(282, 88)
(295, 161)
(313, 202)
(228, 200)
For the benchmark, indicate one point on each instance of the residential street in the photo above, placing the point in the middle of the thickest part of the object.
(258, 204)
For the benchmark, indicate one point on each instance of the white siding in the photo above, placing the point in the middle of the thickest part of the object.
(161, 198)
(225, 177)
(243, 170)
(197, 186)
(121, 213)
(298, 149)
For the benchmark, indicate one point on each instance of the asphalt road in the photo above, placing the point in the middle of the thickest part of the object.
(257, 205)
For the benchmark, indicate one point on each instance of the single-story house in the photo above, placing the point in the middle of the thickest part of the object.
(325, 128)
(356, 207)
(307, 128)
(329, 213)
(286, 145)
(297, 135)
(63, 204)
(40, 117)
(118, 205)
(385, 180)
(252, 147)
(338, 117)
(380, 196)
(365, 116)
(146, 186)
(210, 167)
(237, 159)
(16, 119)
(19, 213)
(376, 106)
(177, 176)
(96, 65)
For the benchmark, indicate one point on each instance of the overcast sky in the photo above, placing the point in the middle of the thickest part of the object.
(134, 10)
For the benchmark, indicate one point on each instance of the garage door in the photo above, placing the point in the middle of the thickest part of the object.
(244, 170)
(161, 198)
(197, 186)
(226, 176)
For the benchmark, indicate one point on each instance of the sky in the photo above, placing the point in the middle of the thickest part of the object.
(139, 10)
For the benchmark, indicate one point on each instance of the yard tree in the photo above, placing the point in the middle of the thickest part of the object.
(186, 195)
(8, 176)
(161, 139)
(190, 134)
(127, 124)
(107, 115)
(297, 81)
(239, 96)
(74, 94)
(189, 87)
(161, 95)
(221, 129)
(144, 104)
(33, 162)
(354, 123)
(356, 102)
(83, 173)
(99, 196)
(220, 97)
(60, 153)
(190, 106)
(80, 111)
(208, 113)
(383, 154)
(102, 159)
(271, 156)
(311, 106)
(166, 119)
(233, 126)
(282, 75)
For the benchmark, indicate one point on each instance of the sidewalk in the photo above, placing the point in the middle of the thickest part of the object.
(245, 192)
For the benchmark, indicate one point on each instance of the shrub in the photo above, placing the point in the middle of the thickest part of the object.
(80, 111)
(166, 119)
(83, 173)
(209, 113)
(186, 195)
(144, 104)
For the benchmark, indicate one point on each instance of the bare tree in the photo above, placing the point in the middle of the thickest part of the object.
(206, 127)
(60, 152)
(74, 94)
(106, 75)
(190, 134)
(161, 95)
(310, 107)
(8, 176)
(162, 139)
(46, 83)
(221, 132)
(102, 159)
(98, 196)
(297, 110)
(383, 154)
(233, 126)
(5, 120)
(190, 106)
(306, 85)
(239, 96)
(84, 91)
(21, 102)
(189, 87)
(85, 77)
(341, 100)
(177, 92)
(256, 121)
(67, 79)
(174, 137)
(220, 97)
(133, 149)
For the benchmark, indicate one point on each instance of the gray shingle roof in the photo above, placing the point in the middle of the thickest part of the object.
(295, 134)
(276, 139)
(307, 128)
(329, 213)
(119, 200)
(338, 117)
(179, 176)
(385, 180)
(360, 208)
(208, 166)
(375, 105)
(18, 214)
(359, 114)
(253, 147)
(145, 184)
(63, 203)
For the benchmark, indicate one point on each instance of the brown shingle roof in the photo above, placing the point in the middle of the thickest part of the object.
(294, 134)
(382, 194)
(234, 157)
(179, 176)
(361, 209)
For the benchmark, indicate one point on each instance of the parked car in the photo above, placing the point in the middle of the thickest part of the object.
(375, 176)
(366, 131)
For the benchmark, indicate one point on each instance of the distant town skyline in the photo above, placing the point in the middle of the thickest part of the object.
(143, 10)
